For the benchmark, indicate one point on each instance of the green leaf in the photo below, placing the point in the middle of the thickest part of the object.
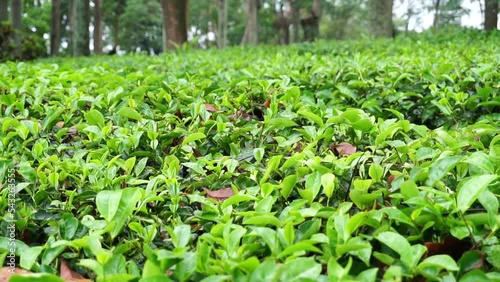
(440, 262)
(94, 117)
(316, 119)
(288, 184)
(36, 277)
(376, 172)
(130, 113)
(262, 220)
(68, 226)
(440, 168)
(272, 165)
(469, 190)
(29, 257)
(313, 183)
(399, 244)
(303, 246)
(328, 183)
(409, 189)
(117, 205)
(193, 137)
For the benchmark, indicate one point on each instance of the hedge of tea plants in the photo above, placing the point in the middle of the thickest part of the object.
(333, 161)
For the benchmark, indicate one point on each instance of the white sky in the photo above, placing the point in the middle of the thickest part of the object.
(473, 19)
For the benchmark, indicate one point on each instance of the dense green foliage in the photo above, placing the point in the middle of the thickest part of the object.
(357, 161)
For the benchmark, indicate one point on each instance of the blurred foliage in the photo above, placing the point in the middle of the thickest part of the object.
(139, 22)
(32, 46)
(141, 26)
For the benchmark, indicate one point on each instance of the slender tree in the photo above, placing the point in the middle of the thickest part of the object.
(381, 18)
(490, 14)
(17, 13)
(437, 6)
(221, 23)
(175, 22)
(310, 23)
(4, 14)
(81, 35)
(55, 28)
(251, 35)
(295, 19)
(98, 26)
(282, 24)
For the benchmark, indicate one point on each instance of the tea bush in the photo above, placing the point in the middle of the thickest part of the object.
(332, 161)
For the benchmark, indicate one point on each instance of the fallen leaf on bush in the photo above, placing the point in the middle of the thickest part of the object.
(298, 147)
(345, 149)
(220, 194)
(60, 124)
(450, 246)
(6, 272)
(391, 178)
(267, 103)
(210, 108)
(69, 275)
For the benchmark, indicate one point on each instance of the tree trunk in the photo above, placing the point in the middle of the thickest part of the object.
(98, 27)
(294, 20)
(81, 36)
(55, 28)
(175, 22)
(435, 22)
(4, 14)
(222, 24)
(17, 14)
(251, 35)
(282, 26)
(310, 24)
(71, 22)
(381, 18)
(490, 15)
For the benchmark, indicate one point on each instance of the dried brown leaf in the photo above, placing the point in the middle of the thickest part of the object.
(6, 272)
(267, 103)
(345, 148)
(220, 194)
(69, 275)
(210, 108)
(391, 178)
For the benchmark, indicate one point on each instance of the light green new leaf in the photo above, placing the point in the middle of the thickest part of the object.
(94, 117)
(376, 172)
(130, 113)
(440, 262)
(469, 190)
(328, 183)
(315, 118)
(193, 137)
(117, 205)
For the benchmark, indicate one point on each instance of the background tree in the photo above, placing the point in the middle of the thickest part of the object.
(17, 15)
(221, 23)
(490, 14)
(141, 26)
(4, 13)
(310, 22)
(175, 22)
(282, 24)
(55, 28)
(81, 35)
(98, 27)
(251, 35)
(381, 18)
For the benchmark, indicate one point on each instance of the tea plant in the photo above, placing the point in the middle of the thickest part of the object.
(354, 161)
